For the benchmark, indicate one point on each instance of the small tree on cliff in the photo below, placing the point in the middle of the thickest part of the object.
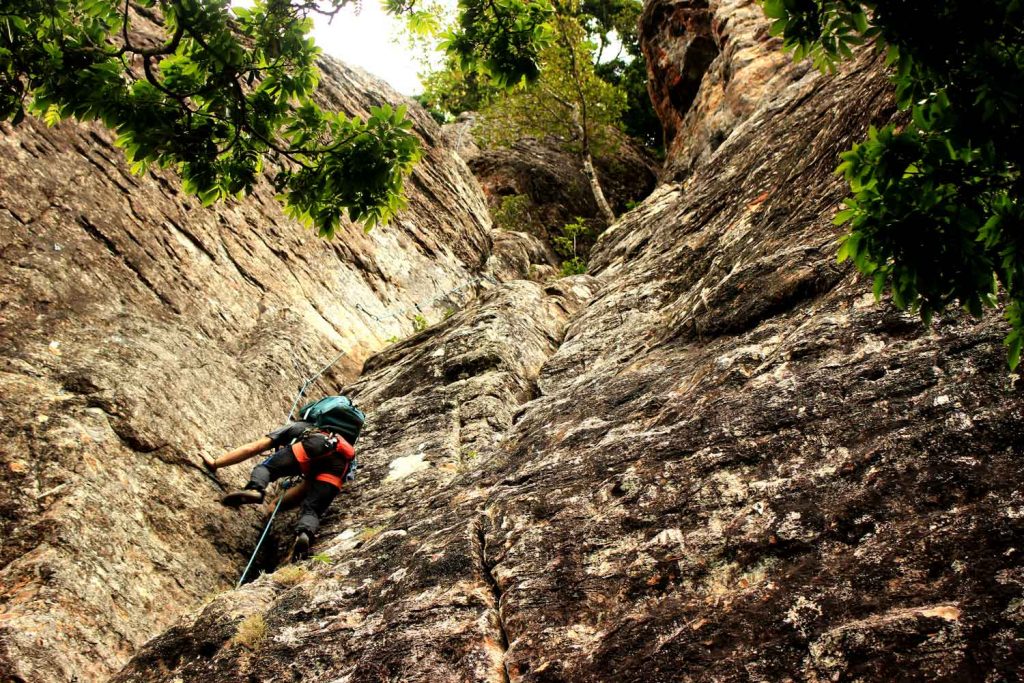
(568, 102)
(614, 25)
(935, 211)
(554, 80)
(469, 84)
(211, 91)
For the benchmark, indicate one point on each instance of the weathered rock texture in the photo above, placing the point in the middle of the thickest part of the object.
(407, 592)
(711, 64)
(716, 460)
(139, 329)
(719, 460)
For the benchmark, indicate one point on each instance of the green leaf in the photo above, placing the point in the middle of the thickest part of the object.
(1014, 344)
(878, 286)
(848, 247)
(843, 216)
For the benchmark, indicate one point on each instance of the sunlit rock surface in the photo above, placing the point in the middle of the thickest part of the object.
(711, 64)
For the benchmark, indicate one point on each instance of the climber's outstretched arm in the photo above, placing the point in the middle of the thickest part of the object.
(240, 454)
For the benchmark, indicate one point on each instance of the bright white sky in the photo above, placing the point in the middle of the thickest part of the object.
(371, 40)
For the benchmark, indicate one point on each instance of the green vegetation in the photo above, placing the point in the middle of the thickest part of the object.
(252, 631)
(482, 62)
(419, 323)
(575, 239)
(574, 266)
(513, 213)
(225, 93)
(541, 69)
(568, 103)
(627, 70)
(450, 90)
(935, 211)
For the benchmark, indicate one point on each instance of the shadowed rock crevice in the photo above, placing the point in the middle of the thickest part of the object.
(486, 569)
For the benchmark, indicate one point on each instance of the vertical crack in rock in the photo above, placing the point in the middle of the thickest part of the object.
(496, 592)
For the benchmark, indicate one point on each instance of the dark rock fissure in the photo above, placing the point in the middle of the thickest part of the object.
(486, 570)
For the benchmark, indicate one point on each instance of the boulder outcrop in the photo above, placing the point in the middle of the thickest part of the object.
(553, 180)
(710, 63)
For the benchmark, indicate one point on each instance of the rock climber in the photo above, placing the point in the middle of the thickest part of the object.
(318, 446)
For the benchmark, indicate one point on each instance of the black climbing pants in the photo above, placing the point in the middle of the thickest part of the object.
(283, 463)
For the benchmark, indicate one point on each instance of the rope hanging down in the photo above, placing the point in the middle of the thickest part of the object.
(309, 381)
(266, 529)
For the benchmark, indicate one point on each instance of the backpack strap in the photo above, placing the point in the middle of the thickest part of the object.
(300, 454)
(343, 447)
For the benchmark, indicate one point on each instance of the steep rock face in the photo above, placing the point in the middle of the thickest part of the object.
(406, 591)
(710, 63)
(803, 485)
(718, 460)
(521, 256)
(139, 330)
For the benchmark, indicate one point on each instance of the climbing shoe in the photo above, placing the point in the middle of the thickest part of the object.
(243, 497)
(300, 549)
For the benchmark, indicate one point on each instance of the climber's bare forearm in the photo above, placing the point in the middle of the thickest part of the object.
(242, 453)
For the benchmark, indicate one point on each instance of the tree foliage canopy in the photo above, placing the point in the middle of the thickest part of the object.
(214, 93)
(935, 211)
(550, 106)
(611, 22)
(469, 82)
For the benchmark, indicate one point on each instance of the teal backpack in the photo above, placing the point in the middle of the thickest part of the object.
(336, 414)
